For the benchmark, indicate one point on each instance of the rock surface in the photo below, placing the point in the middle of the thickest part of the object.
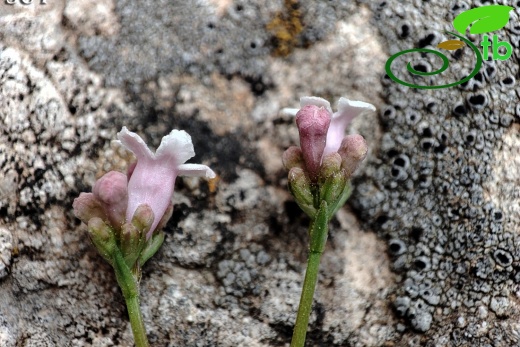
(426, 253)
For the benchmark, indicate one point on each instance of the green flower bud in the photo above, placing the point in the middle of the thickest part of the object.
(300, 187)
(331, 164)
(102, 237)
(132, 241)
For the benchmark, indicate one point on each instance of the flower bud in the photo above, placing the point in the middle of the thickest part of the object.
(353, 151)
(111, 191)
(86, 207)
(313, 123)
(330, 165)
(132, 241)
(292, 157)
(143, 219)
(102, 237)
(300, 187)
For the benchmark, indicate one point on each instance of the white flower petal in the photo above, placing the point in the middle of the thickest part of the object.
(314, 100)
(135, 144)
(289, 111)
(176, 146)
(352, 107)
(196, 170)
(347, 111)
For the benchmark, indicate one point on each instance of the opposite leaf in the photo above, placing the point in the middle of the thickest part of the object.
(485, 19)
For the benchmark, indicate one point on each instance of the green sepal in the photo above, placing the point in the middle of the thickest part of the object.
(151, 247)
(318, 231)
(333, 187)
(132, 242)
(300, 188)
(103, 238)
(343, 197)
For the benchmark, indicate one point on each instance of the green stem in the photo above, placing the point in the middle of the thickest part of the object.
(136, 321)
(130, 288)
(304, 311)
(318, 232)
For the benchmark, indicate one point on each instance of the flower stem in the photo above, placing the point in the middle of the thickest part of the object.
(136, 321)
(318, 232)
(130, 287)
(304, 311)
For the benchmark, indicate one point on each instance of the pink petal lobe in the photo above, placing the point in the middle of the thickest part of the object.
(347, 111)
(176, 146)
(135, 144)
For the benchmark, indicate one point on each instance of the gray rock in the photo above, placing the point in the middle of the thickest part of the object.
(438, 193)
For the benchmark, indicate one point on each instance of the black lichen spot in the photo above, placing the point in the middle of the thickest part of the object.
(416, 233)
(405, 31)
(460, 110)
(426, 41)
(479, 77)
(382, 219)
(478, 101)
(392, 153)
(427, 144)
(420, 67)
(258, 85)
(396, 247)
(508, 81)
(490, 72)
(427, 132)
(503, 258)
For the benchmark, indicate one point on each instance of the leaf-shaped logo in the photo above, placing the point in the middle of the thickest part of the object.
(484, 19)
(451, 45)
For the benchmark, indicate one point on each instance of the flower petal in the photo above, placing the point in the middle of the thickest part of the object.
(135, 144)
(313, 122)
(347, 110)
(152, 183)
(316, 101)
(176, 146)
(196, 170)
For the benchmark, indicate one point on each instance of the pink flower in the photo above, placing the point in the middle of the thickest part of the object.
(323, 132)
(153, 178)
(313, 123)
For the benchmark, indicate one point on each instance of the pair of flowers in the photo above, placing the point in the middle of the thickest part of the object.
(125, 213)
(116, 196)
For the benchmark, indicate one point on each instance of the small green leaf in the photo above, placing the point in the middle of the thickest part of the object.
(151, 247)
(484, 19)
(451, 45)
